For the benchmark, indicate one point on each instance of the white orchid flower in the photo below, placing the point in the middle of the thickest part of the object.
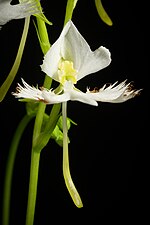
(69, 60)
(23, 9)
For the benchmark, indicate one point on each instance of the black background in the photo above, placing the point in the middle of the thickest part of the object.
(108, 149)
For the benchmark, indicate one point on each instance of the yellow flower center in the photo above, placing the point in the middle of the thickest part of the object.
(66, 72)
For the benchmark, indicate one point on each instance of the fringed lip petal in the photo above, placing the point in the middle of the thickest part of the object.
(114, 93)
(52, 98)
(47, 96)
(82, 97)
(77, 95)
(28, 92)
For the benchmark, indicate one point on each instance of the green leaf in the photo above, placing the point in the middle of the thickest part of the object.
(31, 108)
(69, 122)
(57, 135)
(45, 136)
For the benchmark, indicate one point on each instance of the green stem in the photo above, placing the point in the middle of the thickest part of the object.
(71, 4)
(35, 155)
(34, 169)
(42, 31)
(66, 171)
(38, 122)
(9, 167)
(35, 159)
(7, 83)
(43, 35)
(44, 136)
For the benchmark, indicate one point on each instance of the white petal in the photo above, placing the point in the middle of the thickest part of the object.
(94, 61)
(114, 93)
(77, 95)
(53, 56)
(9, 12)
(44, 95)
(85, 61)
(52, 98)
(82, 97)
(73, 47)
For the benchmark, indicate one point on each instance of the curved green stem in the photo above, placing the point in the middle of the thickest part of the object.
(9, 167)
(7, 83)
(102, 13)
(66, 171)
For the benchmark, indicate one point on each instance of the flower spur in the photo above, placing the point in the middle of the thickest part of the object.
(24, 9)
